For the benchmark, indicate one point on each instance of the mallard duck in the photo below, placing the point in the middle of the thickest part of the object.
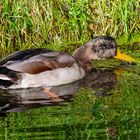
(43, 67)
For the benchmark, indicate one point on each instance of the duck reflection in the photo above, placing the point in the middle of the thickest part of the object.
(102, 81)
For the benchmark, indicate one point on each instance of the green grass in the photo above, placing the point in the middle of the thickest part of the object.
(64, 25)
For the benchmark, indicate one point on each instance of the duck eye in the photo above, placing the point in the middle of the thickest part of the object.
(94, 49)
(104, 46)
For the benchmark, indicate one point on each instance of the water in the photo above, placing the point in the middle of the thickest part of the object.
(103, 105)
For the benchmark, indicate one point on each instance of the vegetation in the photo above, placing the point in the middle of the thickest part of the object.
(63, 25)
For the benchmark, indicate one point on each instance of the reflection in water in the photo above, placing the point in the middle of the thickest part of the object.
(101, 81)
(23, 99)
(84, 116)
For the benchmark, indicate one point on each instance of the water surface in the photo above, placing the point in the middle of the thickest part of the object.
(103, 105)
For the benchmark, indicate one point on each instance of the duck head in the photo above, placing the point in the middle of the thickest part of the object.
(99, 48)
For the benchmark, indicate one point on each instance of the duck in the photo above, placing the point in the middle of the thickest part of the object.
(41, 67)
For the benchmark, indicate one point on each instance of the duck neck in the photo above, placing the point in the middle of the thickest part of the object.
(80, 56)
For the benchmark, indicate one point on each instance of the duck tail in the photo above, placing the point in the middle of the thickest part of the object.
(7, 77)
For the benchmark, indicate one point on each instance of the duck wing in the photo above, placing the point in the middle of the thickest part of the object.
(35, 61)
(24, 55)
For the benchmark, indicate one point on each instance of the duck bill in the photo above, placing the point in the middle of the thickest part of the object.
(124, 57)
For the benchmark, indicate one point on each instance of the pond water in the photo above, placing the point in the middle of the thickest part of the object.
(103, 105)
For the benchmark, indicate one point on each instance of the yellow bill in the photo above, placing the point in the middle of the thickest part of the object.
(124, 57)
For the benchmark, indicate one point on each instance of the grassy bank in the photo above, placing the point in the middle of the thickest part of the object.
(60, 24)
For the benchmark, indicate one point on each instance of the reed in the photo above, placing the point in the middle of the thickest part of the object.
(64, 25)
